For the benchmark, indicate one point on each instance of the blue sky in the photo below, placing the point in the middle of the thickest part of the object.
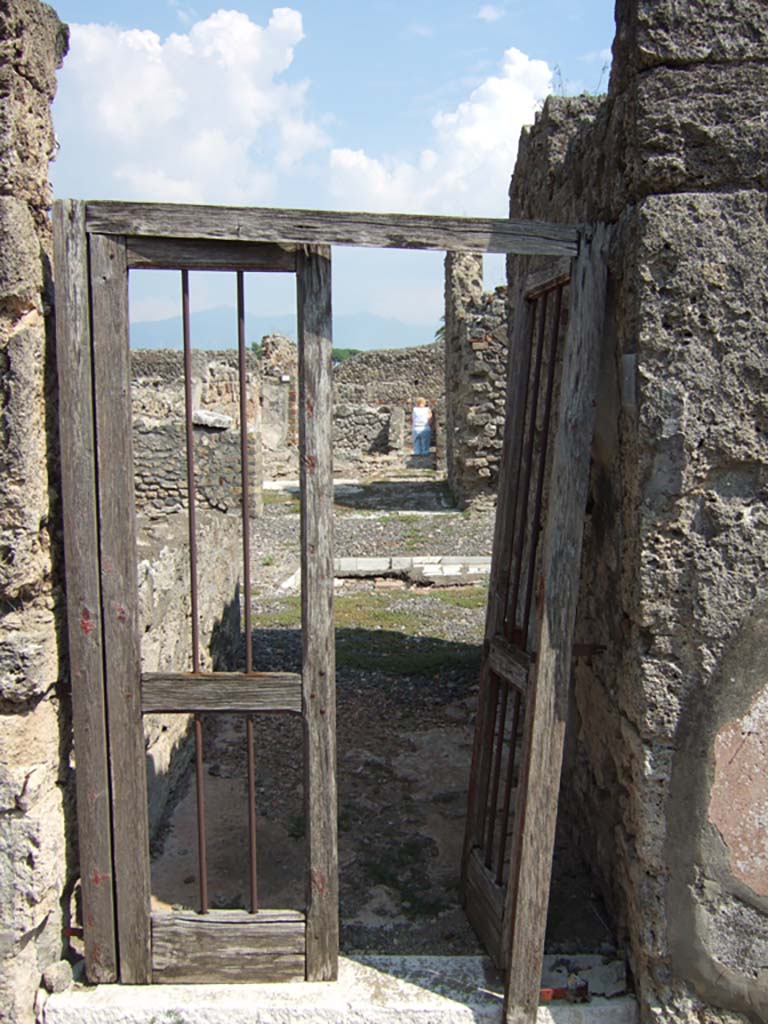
(407, 107)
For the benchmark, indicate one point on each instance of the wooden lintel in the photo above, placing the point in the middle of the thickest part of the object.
(145, 253)
(320, 227)
(220, 691)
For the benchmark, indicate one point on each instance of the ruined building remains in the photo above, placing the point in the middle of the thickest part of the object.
(476, 355)
(665, 782)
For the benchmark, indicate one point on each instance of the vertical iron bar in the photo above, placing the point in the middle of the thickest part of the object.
(541, 304)
(517, 535)
(247, 582)
(555, 331)
(492, 707)
(199, 776)
(508, 788)
(494, 803)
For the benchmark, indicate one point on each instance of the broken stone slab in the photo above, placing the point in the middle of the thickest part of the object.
(212, 420)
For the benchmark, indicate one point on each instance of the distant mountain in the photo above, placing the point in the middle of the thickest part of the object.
(217, 328)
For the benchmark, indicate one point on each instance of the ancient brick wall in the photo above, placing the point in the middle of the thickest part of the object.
(476, 352)
(36, 840)
(667, 767)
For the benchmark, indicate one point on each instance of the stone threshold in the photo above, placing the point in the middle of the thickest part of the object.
(424, 569)
(370, 990)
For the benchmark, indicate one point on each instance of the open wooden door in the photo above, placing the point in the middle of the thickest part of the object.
(517, 754)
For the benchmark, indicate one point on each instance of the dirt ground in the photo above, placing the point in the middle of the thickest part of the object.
(406, 698)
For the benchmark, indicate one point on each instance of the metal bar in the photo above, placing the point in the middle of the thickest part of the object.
(508, 788)
(246, 504)
(491, 706)
(516, 543)
(494, 802)
(199, 776)
(555, 331)
(247, 584)
(524, 492)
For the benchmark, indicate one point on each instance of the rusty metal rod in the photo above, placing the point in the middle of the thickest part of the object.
(554, 335)
(246, 506)
(508, 787)
(494, 802)
(516, 547)
(484, 770)
(524, 493)
(202, 858)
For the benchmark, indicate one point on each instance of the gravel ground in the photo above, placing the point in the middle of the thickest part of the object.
(406, 699)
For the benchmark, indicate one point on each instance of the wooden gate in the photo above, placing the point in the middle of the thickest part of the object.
(520, 727)
(96, 245)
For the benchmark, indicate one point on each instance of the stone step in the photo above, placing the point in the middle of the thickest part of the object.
(373, 990)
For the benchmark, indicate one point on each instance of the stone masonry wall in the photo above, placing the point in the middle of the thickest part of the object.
(36, 839)
(159, 431)
(374, 393)
(668, 765)
(476, 353)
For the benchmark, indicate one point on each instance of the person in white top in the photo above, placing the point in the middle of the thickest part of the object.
(422, 429)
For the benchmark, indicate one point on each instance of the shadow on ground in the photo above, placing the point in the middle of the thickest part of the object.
(391, 495)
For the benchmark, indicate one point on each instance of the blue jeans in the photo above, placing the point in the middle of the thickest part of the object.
(421, 439)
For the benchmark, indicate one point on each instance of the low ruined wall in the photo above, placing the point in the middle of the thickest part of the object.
(391, 377)
(476, 353)
(667, 767)
(36, 793)
(159, 432)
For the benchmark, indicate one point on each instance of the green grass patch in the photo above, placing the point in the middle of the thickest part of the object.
(377, 632)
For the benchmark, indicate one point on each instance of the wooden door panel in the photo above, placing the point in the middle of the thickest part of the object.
(517, 755)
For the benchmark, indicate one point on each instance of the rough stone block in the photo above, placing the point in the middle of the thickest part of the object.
(654, 32)
(702, 127)
(21, 273)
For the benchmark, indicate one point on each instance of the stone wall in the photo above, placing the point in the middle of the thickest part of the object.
(374, 393)
(159, 438)
(476, 353)
(668, 766)
(36, 839)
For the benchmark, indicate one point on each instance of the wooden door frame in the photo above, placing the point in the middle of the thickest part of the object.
(108, 239)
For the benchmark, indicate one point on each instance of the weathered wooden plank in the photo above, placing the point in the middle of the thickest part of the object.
(220, 691)
(320, 227)
(509, 663)
(318, 652)
(539, 282)
(81, 549)
(536, 813)
(228, 946)
(485, 905)
(200, 254)
(509, 476)
(109, 290)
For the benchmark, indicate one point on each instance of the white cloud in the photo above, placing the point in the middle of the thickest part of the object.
(466, 169)
(201, 116)
(490, 12)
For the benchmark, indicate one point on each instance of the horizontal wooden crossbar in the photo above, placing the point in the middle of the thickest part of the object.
(147, 253)
(225, 946)
(315, 227)
(220, 691)
(547, 279)
(509, 663)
